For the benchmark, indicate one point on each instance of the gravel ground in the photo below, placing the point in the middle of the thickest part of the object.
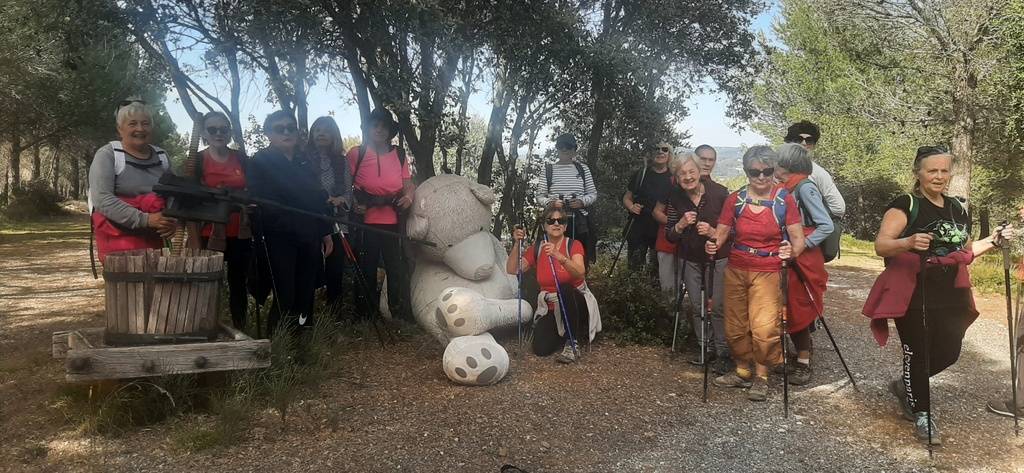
(620, 409)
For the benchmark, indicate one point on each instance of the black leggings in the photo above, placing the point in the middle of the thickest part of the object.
(640, 250)
(946, 329)
(333, 276)
(294, 266)
(545, 334)
(373, 248)
(237, 253)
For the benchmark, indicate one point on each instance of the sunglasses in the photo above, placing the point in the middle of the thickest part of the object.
(810, 140)
(928, 151)
(218, 130)
(556, 221)
(663, 149)
(284, 129)
(754, 173)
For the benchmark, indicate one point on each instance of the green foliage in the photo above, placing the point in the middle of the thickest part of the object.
(633, 309)
(32, 201)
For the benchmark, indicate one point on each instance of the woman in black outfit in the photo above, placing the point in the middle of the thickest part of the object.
(296, 244)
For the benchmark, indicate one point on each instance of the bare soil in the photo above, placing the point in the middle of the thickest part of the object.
(622, 408)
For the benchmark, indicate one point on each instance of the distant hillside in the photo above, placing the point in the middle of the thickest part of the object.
(730, 162)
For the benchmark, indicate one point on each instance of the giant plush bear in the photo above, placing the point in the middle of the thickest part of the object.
(460, 289)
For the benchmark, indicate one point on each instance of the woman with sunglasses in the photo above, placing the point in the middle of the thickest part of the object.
(555, 253)
(296, 244)
(646, 188)
(222, 167)
(765, 225)
(126, 214)
(328, 153)
(808, 270)
(926, 226)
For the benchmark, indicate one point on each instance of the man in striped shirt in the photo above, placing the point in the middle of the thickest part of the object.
(569, 182)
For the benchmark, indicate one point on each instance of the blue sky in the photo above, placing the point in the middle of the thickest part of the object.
(707, 122)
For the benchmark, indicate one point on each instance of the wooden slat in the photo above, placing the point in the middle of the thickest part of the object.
(127, 362)
(139, 294)
(157, 314)
(61, 343)
(202, 292)
(121, 265)
(110, 301)
(130, 300)
(186, 308)
(216, 264)
(174, 291)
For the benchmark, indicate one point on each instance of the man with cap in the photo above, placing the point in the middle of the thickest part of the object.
(569, 183)
(807, 134)
(383, 190)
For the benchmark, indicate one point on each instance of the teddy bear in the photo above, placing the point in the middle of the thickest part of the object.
(459, 288)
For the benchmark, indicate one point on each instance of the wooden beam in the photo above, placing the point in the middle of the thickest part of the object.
(93, 364)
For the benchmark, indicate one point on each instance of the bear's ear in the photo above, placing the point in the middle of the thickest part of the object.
(483, 193)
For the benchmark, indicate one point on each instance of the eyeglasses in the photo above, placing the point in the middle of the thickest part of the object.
(556, 221)
(218, 130)
(810, 140)
(284, 129)
(754, 173)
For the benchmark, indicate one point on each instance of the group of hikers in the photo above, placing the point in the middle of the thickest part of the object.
(752, 261)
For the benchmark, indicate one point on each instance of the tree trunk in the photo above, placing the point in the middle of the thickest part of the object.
(55, 169)
(600, 115)
(964, 126)
(15, 161)
(231, 55)
(76, 175)
(299, 84)
(37, 162)
(984, 220)
(506, 209)
(464, 94)
(495, 130)
(359, 86)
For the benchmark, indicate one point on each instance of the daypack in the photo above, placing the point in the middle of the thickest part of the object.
(777, 204)
(362, 154)
(915, 207)
(120, 164)
(830, 246)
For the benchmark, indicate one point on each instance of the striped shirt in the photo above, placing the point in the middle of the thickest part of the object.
(566, 181)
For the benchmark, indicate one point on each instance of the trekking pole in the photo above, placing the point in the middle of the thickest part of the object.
(561, 301)
(1005, 247)
(784, 287)
(364, 286)
(927, 349)
(706, 289)
(680, 290)
(821, 317)
(519, 297)
(618, 253)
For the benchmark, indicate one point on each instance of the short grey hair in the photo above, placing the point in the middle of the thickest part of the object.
(133, 109)
(678, 161)
(795, 158)
(760, 154)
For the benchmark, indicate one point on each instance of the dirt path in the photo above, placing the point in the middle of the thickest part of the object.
(620, 409)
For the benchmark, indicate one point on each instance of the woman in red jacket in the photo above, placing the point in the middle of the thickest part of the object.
(223, 167)
(926, 226)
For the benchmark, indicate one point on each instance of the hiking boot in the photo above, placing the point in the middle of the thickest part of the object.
(722, 365)
(731, 380)
(800, 374)
(568, 355)
(1005, 408)
(896, 388)
(921, 428)
(787, 366)
(758, 389)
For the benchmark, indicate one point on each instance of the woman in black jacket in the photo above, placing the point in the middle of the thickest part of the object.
(295, 244)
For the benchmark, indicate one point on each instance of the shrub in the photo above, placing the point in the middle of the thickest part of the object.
(32, 200)
(633, 309)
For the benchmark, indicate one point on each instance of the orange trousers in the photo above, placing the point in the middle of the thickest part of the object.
(752, 308)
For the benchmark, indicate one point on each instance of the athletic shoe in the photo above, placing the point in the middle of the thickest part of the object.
(1005, 408)
(758, 389)
(921, 428)
(896, 388)
(731, 380)
(568, 355)
(801, 374)
(780, 368)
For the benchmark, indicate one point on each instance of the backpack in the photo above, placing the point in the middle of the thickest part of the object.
(830, 246)
(915, 207)
(777, 205)
(120, 164)
(362, 154)
(549, 171)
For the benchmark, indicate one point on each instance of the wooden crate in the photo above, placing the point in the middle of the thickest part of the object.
(88, 359)
(153, 296)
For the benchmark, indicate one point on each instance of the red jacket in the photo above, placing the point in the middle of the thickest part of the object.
(111, 239)
(890, 295)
